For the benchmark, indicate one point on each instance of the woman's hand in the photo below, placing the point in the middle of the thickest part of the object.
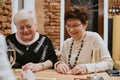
(62, 68)
(33, 67)
(79, 69)
(28, 75)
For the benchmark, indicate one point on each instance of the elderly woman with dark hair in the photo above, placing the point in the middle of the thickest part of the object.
(77, 50)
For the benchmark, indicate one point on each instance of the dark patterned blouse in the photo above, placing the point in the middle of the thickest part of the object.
(39, 51)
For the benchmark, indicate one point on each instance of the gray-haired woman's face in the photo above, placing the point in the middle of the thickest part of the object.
(26, 30)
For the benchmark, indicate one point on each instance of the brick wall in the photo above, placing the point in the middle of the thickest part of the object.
(113, 4)
(48, 14)
(48, 18)
(5, 17)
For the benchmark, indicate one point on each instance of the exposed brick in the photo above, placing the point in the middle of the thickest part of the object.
(5, 18)
(51, 18)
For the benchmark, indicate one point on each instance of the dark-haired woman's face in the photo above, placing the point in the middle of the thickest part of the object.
(75, 28)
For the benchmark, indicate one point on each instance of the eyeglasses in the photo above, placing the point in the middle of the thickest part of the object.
(75, 26)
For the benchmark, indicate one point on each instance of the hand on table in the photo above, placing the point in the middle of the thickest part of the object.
(33, 67)
(62, 68)
(79, 69)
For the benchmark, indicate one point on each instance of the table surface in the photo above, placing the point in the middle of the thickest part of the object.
(50, 73)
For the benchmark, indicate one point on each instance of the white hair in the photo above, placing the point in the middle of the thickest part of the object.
(24, 15)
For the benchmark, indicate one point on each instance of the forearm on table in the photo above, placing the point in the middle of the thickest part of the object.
(47, 64)
(101, 66)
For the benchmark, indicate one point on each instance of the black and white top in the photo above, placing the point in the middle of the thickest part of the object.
(39, 51)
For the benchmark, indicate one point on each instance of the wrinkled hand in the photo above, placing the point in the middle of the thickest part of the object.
(28, 75)
(62, 68)
(79, 69)
(33, 67)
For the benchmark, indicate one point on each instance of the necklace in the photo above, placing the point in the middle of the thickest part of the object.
(69, 56)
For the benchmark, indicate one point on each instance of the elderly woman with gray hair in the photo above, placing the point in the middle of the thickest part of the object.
(5, 69)
(34, 51)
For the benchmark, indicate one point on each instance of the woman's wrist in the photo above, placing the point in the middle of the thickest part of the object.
(57, 63)
(43, 67)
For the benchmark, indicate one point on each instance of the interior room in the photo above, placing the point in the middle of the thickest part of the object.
(104, 18)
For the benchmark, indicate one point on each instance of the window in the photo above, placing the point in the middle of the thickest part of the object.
(95, 14)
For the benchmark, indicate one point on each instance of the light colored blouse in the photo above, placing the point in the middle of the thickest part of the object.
(91, 41)
(5, 69)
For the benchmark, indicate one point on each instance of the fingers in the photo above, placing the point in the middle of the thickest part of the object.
(27, 66)
(62, 68)
(31, 66)
(79, 69)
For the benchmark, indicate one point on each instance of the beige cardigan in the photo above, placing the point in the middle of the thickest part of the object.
(92, 40)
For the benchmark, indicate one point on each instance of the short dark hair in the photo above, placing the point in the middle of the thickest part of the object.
(80, 13)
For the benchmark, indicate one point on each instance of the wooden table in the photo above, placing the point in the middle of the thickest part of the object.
(50, 73)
